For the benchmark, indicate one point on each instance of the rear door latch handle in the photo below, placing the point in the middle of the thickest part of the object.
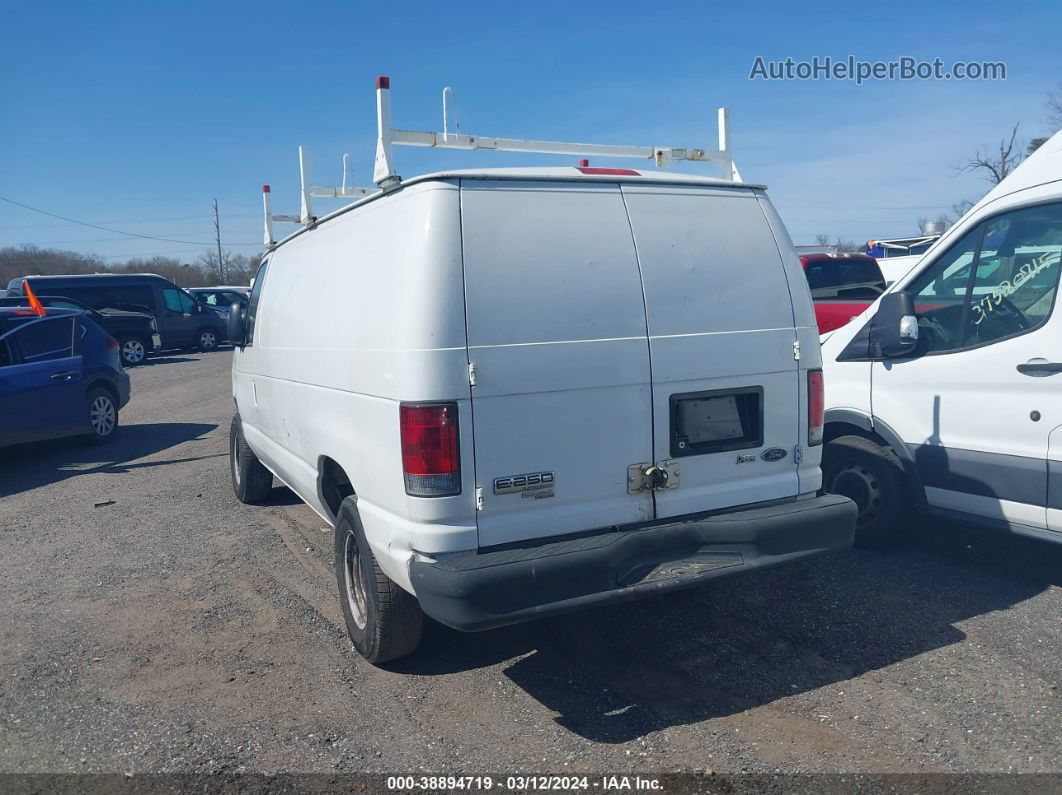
(64, 376)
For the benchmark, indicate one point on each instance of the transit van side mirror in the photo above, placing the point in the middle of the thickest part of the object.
(894, 328)
(237, 325)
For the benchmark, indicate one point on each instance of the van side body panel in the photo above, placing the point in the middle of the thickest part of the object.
(355, 316)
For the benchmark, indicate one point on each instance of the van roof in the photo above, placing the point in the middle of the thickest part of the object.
(582, 173)
(58, 276)
(539, 174)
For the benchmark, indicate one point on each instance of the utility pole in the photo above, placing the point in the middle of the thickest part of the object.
(217, 237)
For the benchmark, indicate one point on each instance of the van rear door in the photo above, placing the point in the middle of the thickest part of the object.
(562, 403)
(726, 392)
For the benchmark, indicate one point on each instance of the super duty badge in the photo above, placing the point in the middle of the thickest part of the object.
(530, 482)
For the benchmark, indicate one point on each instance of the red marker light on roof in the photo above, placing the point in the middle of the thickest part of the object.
(265, 189)
(383, 82)
(584, 164)
(621, 172)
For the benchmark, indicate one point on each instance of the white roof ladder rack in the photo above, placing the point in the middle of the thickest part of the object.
(308, 191)
(386, 178)
(385, 175)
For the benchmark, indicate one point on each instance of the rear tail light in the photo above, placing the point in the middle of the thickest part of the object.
(816, 407)
(112, 344)
(430, 449)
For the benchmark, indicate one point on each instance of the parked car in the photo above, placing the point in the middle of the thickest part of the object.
(549, 400)
(60, 375)
(221, 298)
(945, 396)
(842, 286)
(136, 332)
(182, 321)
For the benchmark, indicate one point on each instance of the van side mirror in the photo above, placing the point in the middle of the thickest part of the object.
(237, 325)
(894, 328)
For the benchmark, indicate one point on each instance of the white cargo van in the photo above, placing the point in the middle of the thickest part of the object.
(519, 392)
(945, 396)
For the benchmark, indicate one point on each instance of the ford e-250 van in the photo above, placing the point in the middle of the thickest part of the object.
(520, 392)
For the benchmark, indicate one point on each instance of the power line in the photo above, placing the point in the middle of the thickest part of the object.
(94, 226)
(131, 221)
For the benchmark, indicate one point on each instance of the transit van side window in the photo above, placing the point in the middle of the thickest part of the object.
(999, 281)
(256, 295)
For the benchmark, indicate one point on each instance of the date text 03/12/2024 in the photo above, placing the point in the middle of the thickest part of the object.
(517, 783)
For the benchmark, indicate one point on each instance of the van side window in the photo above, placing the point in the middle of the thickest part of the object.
(256, 295)
(999, 281)
(178, 301)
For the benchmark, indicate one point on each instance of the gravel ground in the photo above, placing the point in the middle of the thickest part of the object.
(151, 623)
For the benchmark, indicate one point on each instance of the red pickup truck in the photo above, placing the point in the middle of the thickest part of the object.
(841, 286)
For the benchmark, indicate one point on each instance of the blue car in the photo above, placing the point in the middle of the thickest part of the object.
(60, 375)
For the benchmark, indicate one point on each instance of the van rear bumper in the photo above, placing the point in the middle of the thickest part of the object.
(483, 590)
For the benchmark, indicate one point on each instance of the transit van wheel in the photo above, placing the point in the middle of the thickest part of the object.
(872, 477)
(251, 481)
(383, 621)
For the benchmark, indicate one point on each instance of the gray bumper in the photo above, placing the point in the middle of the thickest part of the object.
(483, 590)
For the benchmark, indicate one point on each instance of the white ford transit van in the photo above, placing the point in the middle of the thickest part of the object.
(520, 392)
(945, 396)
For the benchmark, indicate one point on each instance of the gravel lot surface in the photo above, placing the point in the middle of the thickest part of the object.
(150, 623)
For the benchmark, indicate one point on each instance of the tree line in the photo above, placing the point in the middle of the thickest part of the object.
(206, 271)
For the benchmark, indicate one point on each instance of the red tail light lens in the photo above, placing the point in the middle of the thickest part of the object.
(816, 407)
(112, 344)
(430, 449)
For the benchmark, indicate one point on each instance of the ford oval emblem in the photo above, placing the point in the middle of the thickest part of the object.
(774, 454)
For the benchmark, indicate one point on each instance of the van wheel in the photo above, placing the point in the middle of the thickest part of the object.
(383, 621)
(872, 477)
(251, 481)
(132, 350)
(206, 339)
(102, 415)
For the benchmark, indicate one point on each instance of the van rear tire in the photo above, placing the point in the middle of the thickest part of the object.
(872, 477)
(251, 481)
(383, 621)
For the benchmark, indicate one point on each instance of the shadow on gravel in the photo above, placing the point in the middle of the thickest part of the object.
(30, 466)
(168, 359)
(615, 674)
(281, 496)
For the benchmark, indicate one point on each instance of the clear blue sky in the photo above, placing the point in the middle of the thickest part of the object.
(136, 115)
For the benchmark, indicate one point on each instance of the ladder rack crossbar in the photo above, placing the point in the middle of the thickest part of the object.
(386, 178)
(469, 142)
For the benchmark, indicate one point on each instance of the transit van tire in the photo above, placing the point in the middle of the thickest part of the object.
(383, 621)
(872, 477)
(207, 340)
(133, 350)
(251, 481)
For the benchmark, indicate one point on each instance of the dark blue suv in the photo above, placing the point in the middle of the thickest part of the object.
(60, 375)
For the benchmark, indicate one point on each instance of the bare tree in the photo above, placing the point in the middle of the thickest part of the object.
(229, 269)
(943, 219)
(995, 165)
(839, 243)
(1054, 109)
